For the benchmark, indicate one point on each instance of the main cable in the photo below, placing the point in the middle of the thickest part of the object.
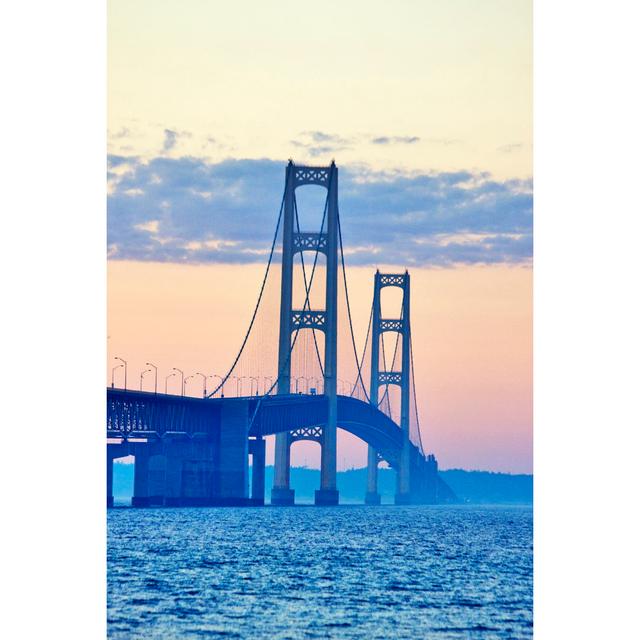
(346, 291)
(255, 311)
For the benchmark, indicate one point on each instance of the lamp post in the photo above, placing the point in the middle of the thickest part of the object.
(113, 373)
(124, 362)
(241, 379)
(237, 384)
(165, 381)
(267, 389)
(221, 385)
(181, 372)
(184, 390)
(142, 376)
(155, 369)
(204, 383)
(251, 378)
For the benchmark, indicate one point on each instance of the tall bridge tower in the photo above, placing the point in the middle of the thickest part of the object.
(401, 326)
(293, 320)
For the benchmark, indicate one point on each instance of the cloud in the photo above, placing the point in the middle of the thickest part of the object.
(122, 133)
(395, 140)
(171, 138)
(510, 148)
(190, 210)
(319, 143)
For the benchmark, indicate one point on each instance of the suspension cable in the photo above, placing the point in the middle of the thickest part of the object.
(364, 352)
(346, 291)
(255, 310)
(305, 306)
(415, 398)
(304, 273)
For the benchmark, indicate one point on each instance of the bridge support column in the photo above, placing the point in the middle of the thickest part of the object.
(403, 494)
(281, 493)
(328, 492)
(233, 470)
(372, 496)
(173, 475)
(109, 479)
(140, 478)
(257, 451)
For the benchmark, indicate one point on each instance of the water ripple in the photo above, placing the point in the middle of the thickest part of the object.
(346, 572)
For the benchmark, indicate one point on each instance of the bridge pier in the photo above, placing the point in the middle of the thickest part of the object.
(372, 497)
(174, 457)
(233, 455)
(258, 455)
(109, 479)
(281, 494)
(403, 477)
(327, 495)
(140, 477)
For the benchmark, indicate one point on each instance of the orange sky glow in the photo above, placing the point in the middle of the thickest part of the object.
(471, 332)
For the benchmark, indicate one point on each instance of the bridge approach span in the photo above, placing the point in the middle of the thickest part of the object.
(136, 413)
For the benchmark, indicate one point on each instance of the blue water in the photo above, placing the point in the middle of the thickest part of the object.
(311, 572)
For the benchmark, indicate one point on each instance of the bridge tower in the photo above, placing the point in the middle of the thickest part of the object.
(401, 378)
(326, 242)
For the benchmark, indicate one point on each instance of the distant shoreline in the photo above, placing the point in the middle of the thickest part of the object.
(471, 487)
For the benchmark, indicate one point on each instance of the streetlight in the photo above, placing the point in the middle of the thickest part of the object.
(221, 385)
(185, 383)
(125, 370)
(181, 372)
(251, 378)
(241, 379)
(204, 383)
(165, 381)
(155, 384)
(299, 378)
(113, 372)
(237, 383)
(142, 376)
(267, 389)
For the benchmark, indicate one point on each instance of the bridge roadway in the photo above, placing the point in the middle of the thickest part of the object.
(195, 451)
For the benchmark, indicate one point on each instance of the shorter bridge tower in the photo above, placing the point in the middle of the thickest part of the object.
(401, 378)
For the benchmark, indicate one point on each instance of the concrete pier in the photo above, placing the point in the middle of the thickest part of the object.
(257, 450)
(372, 497)
(140, 477)
(233, 454)
(281, 493)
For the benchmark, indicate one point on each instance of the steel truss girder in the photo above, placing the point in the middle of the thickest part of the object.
(392, 280)
(304, 241)
(311, 175)
(305, 319)
(390, 377)
(392, 325)
(306, 433)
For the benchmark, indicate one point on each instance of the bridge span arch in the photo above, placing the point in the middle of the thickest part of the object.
(286, 413)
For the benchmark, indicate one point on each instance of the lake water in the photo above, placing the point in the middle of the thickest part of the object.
(313, 572)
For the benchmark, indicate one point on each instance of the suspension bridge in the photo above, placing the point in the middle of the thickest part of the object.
(196, 451)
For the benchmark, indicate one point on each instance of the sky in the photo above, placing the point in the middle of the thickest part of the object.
(425, 107)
